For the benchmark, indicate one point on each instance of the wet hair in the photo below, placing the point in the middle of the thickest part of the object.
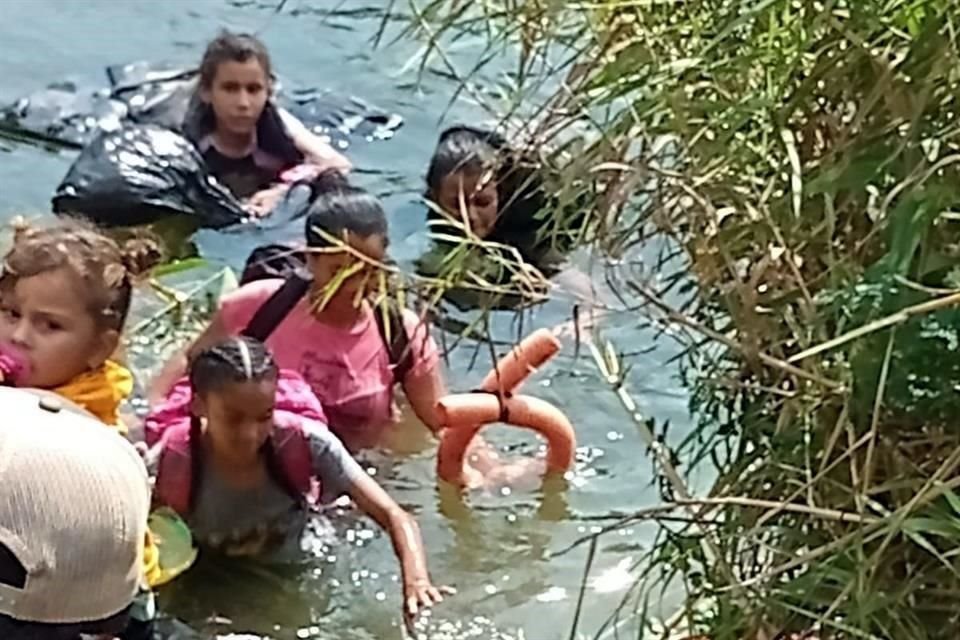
(519, 184)
(235, 360)
(338, 207)
(232, 361)
(106, 270)
(462, 149)
(199, 119)
(232, 47)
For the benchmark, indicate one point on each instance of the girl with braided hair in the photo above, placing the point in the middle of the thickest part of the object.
(240, 456)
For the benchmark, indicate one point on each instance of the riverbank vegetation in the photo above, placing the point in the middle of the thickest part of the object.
(796, 161)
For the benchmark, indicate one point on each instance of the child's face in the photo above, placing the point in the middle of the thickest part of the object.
(238, 95)
(46, 320)
(239, 419)
(329, 267)
(478, 192)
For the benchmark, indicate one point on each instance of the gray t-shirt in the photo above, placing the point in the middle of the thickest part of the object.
(267, 519)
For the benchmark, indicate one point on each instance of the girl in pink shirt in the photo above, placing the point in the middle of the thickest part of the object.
(331, 335)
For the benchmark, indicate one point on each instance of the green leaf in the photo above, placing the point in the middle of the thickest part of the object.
(179, 266)
(952, 499)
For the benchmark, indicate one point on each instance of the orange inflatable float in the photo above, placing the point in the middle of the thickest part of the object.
(464, 414)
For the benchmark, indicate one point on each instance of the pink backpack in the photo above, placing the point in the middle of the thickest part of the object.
(288, 452)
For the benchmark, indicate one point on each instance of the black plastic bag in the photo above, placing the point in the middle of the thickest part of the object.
(60, 116)
(139, 174)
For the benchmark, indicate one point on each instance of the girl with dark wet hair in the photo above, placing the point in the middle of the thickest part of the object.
(480, 189)
(474, 174)
(244, 452)
(248, 142)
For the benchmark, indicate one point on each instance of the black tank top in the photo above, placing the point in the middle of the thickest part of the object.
(243, 176)
(275, 152)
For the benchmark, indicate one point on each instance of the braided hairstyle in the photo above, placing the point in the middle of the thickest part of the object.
(106, 270)
(239, 359)
(235, 360)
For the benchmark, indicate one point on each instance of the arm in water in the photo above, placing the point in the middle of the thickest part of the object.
(423, 383)
(422, 391)
(418, 591)
(263, 202)
(424, 386)
(590, 307)
(339, 473)
(316, 152)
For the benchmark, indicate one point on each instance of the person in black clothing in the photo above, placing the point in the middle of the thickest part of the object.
(477, 182)
(475, 172)
(247, 141)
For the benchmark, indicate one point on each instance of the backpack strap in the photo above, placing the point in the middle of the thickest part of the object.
(272, 312)
(388, 316)
(176, 470)
(393, 332)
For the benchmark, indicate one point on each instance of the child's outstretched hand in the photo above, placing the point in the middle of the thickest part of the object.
(262, 203)
(420, 594)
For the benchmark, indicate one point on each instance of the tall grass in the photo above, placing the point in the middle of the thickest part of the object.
(800, 157)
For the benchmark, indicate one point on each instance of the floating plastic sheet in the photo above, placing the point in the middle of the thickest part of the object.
(139, 174)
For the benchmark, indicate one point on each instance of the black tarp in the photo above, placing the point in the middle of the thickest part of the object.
(141, 173)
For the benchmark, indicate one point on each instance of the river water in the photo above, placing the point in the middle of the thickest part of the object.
(498, 550)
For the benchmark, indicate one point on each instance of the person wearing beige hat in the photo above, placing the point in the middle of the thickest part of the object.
(74, 501)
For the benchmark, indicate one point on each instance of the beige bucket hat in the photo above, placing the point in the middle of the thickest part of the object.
(74, 502)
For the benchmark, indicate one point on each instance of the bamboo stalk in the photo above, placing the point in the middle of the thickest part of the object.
(871, 327)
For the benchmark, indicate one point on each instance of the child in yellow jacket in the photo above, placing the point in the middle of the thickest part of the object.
(65, 292)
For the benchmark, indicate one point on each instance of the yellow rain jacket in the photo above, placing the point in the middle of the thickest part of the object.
(101, 392)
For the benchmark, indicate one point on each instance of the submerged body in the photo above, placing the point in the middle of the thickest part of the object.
(250, 467)
(330, 335)
(246, 140)
(497, 237)
(264, 516)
